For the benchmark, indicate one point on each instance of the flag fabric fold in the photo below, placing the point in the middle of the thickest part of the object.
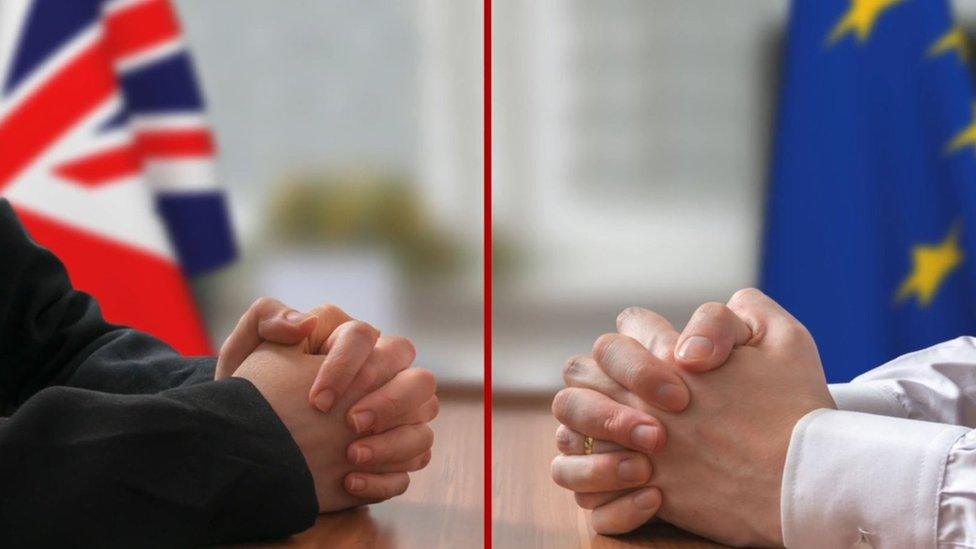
(107, 156)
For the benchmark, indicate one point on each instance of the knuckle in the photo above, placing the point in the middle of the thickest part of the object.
(628, 313)
(329, 311)
(435, 407)
(396, 440)
(564, 439)
(615, 421)
(424, 378)
(421, 384)
(226, 347)
(584, 501)
(390, 404)
(562, 403)
(606, 525)
(796, 332)
(601, 525)
(745, 294)
(385, 490)
(360, 329)
(711, 309)
(341, 367)
(404, 349)
(415, 464)
(395, 450)
(639, 376)
(662, 347)
(573, 368)
(426, 437)
(556, 471)
(633, 375)
(396, 489)
(263, 303)
(368, 376)
(403, 486)
(603, 347)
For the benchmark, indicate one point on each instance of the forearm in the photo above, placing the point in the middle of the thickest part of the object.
(204, 464)
(131, 362)
(121, 361)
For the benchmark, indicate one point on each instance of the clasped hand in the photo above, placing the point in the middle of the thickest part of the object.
(694, 427)
(349, 397)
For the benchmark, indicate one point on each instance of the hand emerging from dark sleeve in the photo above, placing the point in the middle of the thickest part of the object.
(375, 429)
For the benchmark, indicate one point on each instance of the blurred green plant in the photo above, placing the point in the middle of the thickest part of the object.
(506, 257)
(362, 209)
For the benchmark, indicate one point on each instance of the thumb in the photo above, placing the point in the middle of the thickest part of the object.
(266, 320)
(709, 337)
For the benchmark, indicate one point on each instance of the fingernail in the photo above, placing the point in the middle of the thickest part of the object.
(325, 399)
(630, 470)
(696, 348)
(357, 484)
(644, 436)
(362, 421)
(295, 317)
(645, 499)
(670, 397)
(363, 454)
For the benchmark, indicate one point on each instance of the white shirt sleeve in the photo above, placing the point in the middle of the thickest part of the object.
(935, 384)
(896, 462)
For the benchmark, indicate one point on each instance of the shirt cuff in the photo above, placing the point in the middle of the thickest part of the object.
(867, 397)
(851, 472)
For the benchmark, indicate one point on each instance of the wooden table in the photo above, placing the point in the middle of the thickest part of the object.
(444, 506)
(529, 510)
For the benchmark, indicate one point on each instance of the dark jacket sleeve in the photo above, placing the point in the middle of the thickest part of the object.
(51, 334)
(113, 440)
(203, 464)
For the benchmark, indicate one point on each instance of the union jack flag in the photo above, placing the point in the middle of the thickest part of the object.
(107, 157)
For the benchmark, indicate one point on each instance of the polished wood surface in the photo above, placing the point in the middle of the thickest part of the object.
(529, 509)
(444, 506)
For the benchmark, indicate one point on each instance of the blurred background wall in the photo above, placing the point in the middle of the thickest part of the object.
(350, 140)
(631, 151)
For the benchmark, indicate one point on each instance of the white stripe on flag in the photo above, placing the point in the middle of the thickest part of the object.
(182, 175)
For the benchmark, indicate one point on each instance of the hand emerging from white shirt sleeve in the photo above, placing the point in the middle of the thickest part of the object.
(719, 463)
(872, 469)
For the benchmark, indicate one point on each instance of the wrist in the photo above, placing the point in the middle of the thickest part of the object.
(771, 521)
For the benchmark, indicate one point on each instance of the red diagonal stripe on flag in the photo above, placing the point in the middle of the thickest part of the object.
(51, 110)
(134, 287)
(103, 167)
(140, 27)
(175, 143)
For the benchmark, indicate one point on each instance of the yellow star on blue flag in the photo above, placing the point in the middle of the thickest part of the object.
(860, 19)
(964, 137)
(953, 40)
(931, 264)
(873, 182)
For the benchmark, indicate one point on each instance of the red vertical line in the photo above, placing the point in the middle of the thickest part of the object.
(487, 274)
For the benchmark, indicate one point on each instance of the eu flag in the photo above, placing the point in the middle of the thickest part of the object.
(870, 223)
